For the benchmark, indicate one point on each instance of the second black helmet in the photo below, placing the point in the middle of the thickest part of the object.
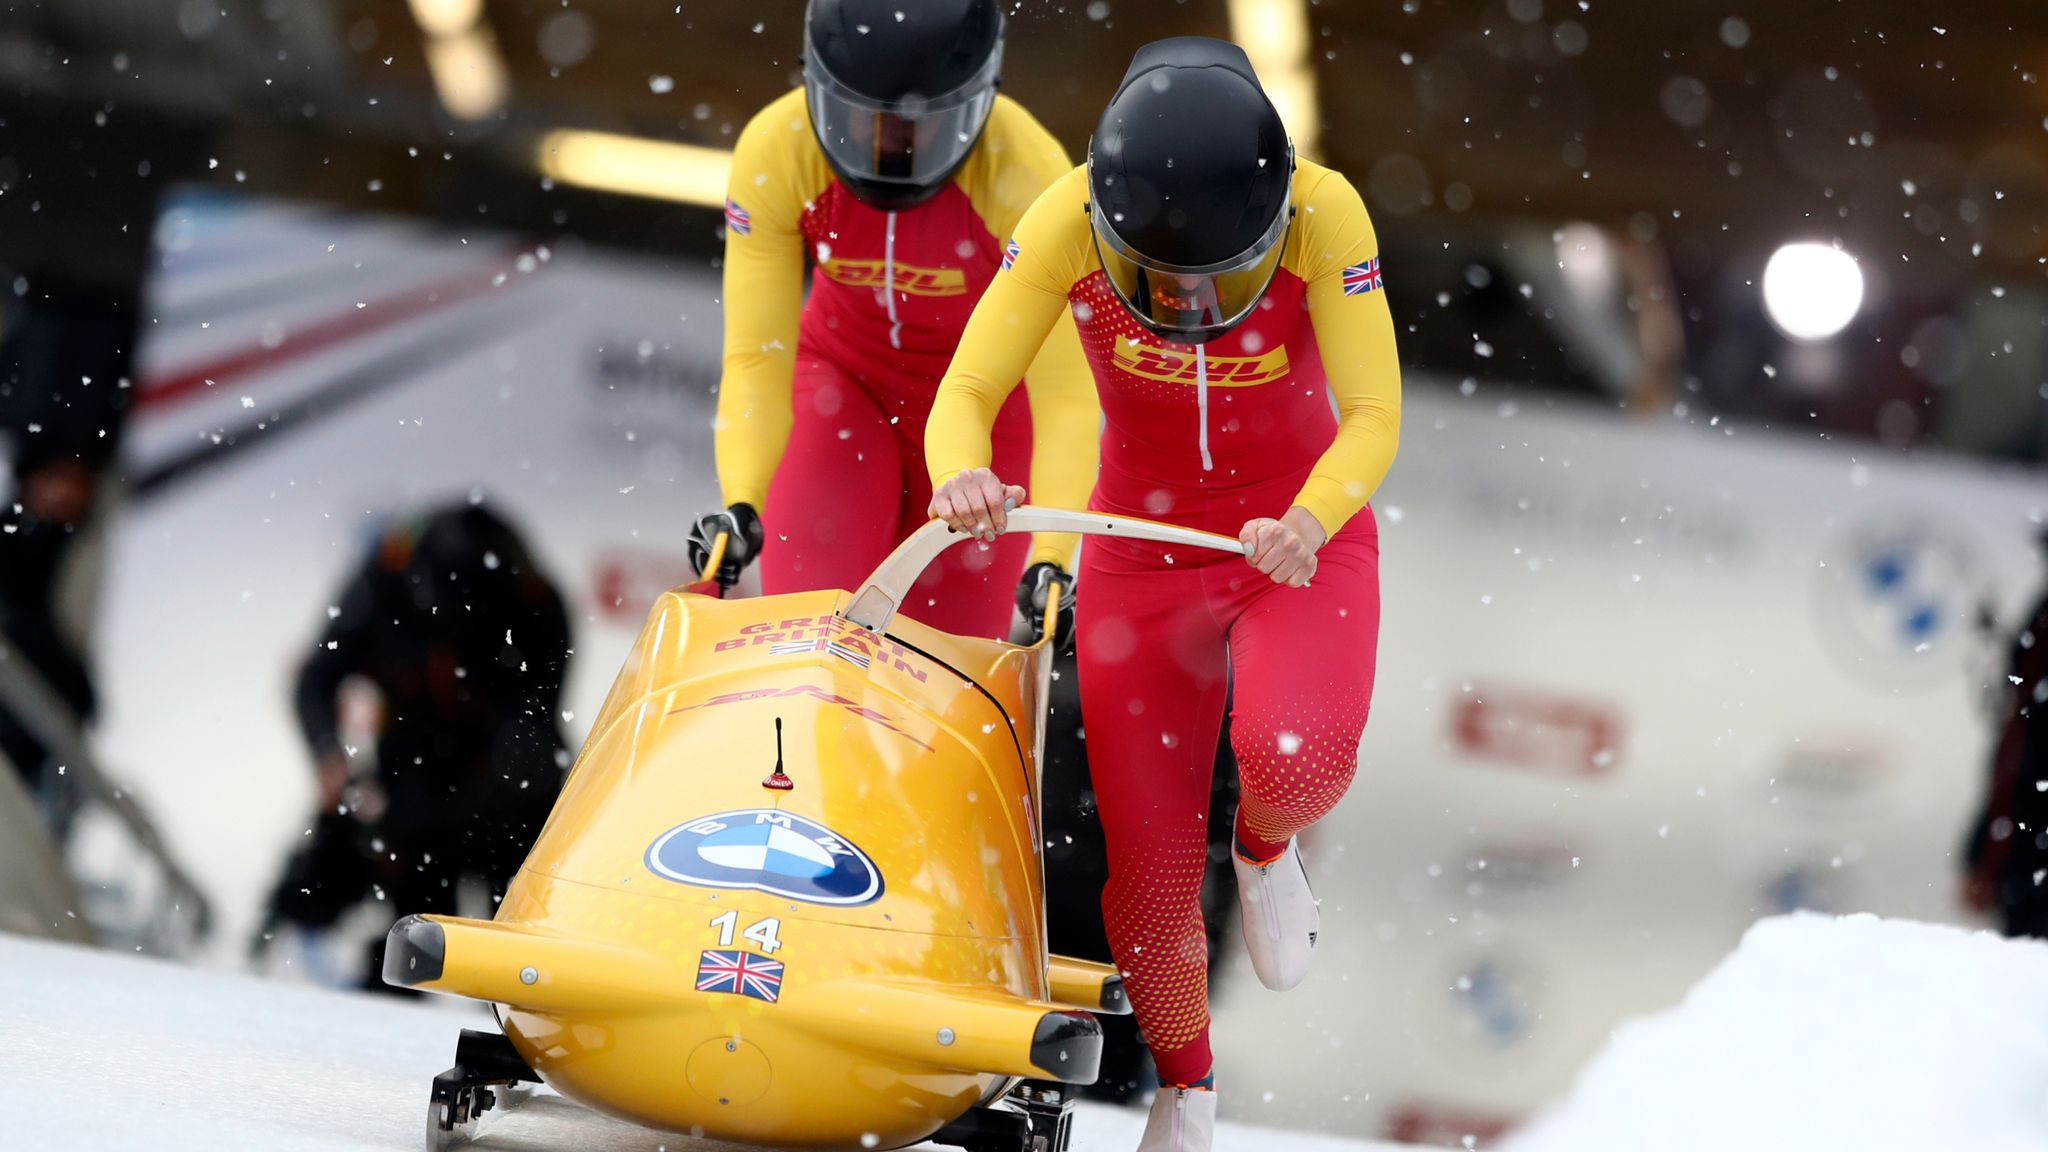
(899, 92)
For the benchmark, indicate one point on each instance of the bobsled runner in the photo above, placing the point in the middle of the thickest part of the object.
(792, 892)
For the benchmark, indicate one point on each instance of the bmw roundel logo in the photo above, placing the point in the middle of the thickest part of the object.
(767, 851)
(1893, 597)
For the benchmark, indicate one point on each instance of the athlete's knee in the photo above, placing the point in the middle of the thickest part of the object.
(1296, 763)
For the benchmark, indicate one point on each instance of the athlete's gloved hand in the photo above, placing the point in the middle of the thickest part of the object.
(1284, 549)
(742, 526)
(974, 502)
(1032, 592)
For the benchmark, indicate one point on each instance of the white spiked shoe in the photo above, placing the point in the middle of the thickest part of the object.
(1278, 916)
(1183, 1120)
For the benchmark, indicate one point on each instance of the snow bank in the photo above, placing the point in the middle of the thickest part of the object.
(1858, 1034)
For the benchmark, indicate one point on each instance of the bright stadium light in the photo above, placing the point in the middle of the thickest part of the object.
(447, 17)
(469, 75)
(1812, 291)
(1275, 35)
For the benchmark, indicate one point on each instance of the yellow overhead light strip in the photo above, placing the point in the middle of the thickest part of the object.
(447, 17)
(462, 56)
(469, 75)
(635, 166)
(1276, 35)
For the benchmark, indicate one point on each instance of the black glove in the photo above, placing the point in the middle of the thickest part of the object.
(1031, 594)
(742, 526)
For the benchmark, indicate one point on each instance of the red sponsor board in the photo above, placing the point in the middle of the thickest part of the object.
(1444, 1126)
(1539, 731)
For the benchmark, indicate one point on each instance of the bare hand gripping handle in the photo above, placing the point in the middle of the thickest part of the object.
(878, 599)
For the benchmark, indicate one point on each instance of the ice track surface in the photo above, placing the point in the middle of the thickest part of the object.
(105, 1051)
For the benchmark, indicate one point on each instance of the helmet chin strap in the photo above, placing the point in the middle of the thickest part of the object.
(1202, 403)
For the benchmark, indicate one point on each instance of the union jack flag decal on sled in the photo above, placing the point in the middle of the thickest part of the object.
(830, 647)
(740, 974)
(1009, 255)
(1362, 278)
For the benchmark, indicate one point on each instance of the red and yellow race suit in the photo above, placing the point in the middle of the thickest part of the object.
(823, 403)
(1209, 437)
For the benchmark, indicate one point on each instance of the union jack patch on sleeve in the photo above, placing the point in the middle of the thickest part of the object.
(1362, 278)
(1009, 255)
(736, 218)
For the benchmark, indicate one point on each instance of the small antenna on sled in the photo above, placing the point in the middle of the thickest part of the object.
(776, 779)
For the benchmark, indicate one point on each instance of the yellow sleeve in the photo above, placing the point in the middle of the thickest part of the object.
(1022, 162)
(776, 171)
(1356, 337)
(1066, 434)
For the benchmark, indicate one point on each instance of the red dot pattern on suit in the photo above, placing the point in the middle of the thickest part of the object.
(1294, 769)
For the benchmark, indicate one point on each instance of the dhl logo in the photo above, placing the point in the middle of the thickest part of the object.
(910, 280)
(1223, 371)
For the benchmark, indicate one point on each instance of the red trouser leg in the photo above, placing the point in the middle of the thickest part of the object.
(832, 507)
(1153, 681)
(1303, 662)
(1152, 659)
(971, 590)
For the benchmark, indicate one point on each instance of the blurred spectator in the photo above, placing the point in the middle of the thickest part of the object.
(467, 643)
(2008, 846)
(64, 357)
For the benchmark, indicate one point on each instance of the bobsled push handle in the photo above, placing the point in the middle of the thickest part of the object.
(877, 600)
(709, 582)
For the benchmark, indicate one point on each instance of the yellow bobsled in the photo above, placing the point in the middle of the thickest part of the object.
(792, 892)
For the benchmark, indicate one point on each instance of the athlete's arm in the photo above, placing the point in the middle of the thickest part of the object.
(772, 171)
(1006, 336)
(1066, 440)
(340, 653)
(1018, 160)
(1355, 333)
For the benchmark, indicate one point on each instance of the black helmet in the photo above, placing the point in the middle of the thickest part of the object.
(899, 91)
(1190, 178)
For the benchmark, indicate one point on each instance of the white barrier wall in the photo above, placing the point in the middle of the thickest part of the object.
(1639, 684)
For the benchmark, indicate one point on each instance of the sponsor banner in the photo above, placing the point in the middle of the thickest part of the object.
(1537, 731)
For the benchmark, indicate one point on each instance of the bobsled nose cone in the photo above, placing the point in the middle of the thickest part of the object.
(1068, 1046)
(414, 953)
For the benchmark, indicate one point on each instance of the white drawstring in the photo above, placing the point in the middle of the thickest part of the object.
(1202, 403)
(889, 283)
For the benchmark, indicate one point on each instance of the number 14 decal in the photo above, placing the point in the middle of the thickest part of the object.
(766, 933)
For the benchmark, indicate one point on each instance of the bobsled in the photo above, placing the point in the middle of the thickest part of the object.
(792, 893)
